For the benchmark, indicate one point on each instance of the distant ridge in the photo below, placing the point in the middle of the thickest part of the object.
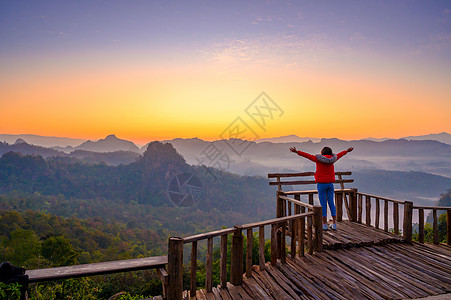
(441, 137)
(288, 139)
(109, 144)
(43, 141)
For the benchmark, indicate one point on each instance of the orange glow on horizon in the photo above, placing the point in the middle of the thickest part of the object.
(155, 102)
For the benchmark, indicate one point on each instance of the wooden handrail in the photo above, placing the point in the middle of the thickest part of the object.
(432, 207)
(382, 198)
(295, 182)
(297, 202)
(277, 220)
(314, 192)
(85, 270)
(211, 234)
(281, 175)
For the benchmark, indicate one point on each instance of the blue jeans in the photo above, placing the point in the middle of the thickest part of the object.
(326, 195)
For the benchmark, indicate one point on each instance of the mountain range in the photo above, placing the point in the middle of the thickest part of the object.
(112, 143)
(263, 156)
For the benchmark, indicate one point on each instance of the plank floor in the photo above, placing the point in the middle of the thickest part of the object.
(358, 262)
(393, 271)
(352, 234)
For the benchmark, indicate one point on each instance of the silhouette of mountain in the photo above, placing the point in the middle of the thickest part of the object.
(109, 144)
(19, 141)
(441, 137)
(43, 141)
(288, 139)
(20, 146)
(110, 158)
(403, 155)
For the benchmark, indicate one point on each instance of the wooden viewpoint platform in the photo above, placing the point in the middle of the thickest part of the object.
(358, 262)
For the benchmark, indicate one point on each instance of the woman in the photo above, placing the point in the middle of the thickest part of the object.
(325, 178)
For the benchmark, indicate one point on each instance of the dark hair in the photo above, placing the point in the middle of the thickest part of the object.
(326, 151)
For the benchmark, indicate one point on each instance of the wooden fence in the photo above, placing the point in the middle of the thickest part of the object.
(408, 211)
(295, 224)
(352, 201)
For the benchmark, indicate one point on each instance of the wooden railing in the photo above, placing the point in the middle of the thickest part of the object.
(102, 268)
(434, 209)
(280, 183)
(387, 202)
(355, 206)
(296, 226)
(408, 211)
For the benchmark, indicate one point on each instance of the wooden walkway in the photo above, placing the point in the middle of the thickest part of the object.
(352, 234)
(358, 263)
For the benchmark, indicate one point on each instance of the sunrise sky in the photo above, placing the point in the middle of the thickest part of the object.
(147, 70)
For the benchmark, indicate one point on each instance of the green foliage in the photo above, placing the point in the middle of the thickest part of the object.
(137, 184)
(55, 241)
(21, 247)
(127, 296)
(9, 291)
(59, 250)
(76, 289)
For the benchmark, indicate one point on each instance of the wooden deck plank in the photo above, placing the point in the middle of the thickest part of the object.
(254, 289)
(366, 263)
(85, 270)
(237, 292)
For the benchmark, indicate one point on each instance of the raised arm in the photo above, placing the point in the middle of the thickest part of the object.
(339, 155)
(304, 154)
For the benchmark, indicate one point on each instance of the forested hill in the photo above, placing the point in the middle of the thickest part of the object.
(144, 182)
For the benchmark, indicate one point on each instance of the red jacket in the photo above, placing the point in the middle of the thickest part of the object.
(325, 172)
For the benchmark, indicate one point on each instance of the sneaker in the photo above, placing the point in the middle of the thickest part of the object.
(333, 226)
(325, 227)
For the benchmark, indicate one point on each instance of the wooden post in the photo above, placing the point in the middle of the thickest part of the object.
(250, 241)
(223, 261)
(386, 215)
(283, 248)
(293, 229)
(209, 266)
(318, 224)
(396, 218)
(284, 208)
(339, 204)
(279, 205)
(236, 261)
(421, 225)
(297, 224)
(279, 240)
(448, 226)
(274, 254)
(175, 268)
(435, 227)
(302, 234)
(310, 199)
(261, 247)
(378, 212)
(309, 234)
(193, 277)
(360, 208)
(368, 210)
(407, 222)
(353, 205)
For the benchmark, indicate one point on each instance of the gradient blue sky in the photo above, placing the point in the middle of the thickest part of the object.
(129, 56)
